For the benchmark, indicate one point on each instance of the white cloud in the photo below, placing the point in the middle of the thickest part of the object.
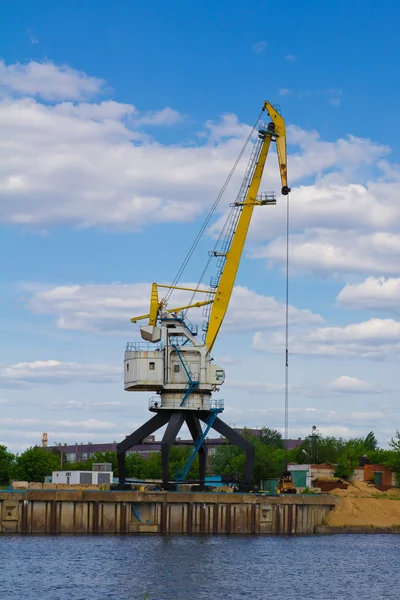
(290, 57)
(324, 251)
(330, 422)
(285, 92)
(260, 388)
(48, 81)
(345, 155)
(327, 209)
(375, 293)
(346, 384)
(335, 101)
(248, 307)
(86, 111)
(89, 164)
(344, 223)
(26, 374)
(259, 47)
(228, 126)
(90, 424)
(166, 116)
(108, 308)
(81, 165)
(19, 433)
(375, 339)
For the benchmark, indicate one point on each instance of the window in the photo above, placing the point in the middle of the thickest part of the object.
(152, 366)
(176, 368)
(127, 366)
(219, 375)
(84, 455)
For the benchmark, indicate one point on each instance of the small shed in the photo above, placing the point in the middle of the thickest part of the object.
(82, 477)
(380, 475)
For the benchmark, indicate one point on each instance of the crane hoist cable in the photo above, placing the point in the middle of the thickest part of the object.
(287, 325)
(210, 214)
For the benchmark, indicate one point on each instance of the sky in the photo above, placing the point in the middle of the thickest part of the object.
(119, 123)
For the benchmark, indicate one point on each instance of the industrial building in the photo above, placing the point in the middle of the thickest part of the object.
(80, 452)
(82, 477)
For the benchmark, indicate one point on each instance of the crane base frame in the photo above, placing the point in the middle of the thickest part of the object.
(174, 420)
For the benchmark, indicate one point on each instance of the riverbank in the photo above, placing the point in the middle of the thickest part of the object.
(361, 508)
(103, 512)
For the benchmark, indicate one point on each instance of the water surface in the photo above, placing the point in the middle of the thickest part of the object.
(340, 567)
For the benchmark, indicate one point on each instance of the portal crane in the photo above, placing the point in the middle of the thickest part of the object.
(172, 361)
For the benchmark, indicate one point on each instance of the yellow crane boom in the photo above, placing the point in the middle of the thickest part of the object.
(275, 132)
(220, 296)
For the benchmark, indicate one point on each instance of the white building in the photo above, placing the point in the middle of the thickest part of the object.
(82, 477)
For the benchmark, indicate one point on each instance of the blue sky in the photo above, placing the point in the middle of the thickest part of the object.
(118, 125)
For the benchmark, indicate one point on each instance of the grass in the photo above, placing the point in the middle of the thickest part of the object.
(385, 496)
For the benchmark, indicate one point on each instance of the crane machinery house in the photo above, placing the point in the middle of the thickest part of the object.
(173, 361)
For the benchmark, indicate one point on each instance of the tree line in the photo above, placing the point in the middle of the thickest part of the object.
(37, 462)
(269, 461)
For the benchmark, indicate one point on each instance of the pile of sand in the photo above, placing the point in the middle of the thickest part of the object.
(357, 489)
(365, 511)
(361, 489)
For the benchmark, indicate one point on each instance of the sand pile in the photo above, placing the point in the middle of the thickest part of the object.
(379, 512)
(360, 489)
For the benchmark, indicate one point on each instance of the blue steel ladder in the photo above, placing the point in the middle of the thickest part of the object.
(192, 383)
(198, 443)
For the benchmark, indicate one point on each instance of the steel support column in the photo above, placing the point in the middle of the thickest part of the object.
(136, 438)
(176, 419)
(236, 440)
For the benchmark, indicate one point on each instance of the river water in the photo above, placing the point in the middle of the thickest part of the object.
(340, 567)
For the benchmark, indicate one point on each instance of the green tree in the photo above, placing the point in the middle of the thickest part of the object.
(271, 437)
(269, 461)
(7, 461)
(228, 460)
(35, 464)
(392, 458)
(370, 442)
(136, 466)
(77, 466)
(178, 458)
(346, 465)
(395, 442)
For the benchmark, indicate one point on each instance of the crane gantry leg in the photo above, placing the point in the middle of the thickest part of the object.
(136, 438)
(176, 419)
(237, 440)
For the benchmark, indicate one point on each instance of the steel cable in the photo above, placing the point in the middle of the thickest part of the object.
(287, 326)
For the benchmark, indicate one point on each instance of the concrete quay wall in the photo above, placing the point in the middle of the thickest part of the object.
(101, 512)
